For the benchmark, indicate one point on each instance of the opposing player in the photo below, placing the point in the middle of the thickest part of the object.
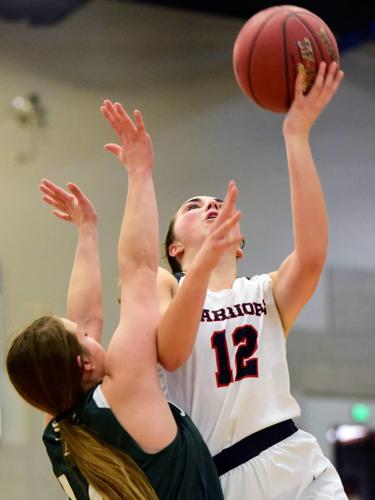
(113, 435)
(226, 358)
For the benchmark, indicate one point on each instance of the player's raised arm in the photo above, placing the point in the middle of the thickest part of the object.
(298, 276)
(188, 301)
(132, 357)
(84, 300)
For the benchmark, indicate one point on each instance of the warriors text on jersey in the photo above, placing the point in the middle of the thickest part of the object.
(181, 471)
(236, 381)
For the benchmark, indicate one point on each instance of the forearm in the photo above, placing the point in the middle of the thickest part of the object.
(310, 224)
(84, 302)
(138, 242)
(178, 327)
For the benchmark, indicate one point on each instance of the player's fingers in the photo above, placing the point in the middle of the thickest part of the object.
(331, 85)
(333, 80)
(229, 200)
(48, 183)
(226, 210)
(330, 75)
(58, 194)
(338, 79)
(53, 202)
(108, 109)
(227, 206)
(75, 190)
(227, 225)
(62, 215)
(46, 190)
(299, 85)
(53, 188)
(139, 121)
(124, 120)
(112, 118)
(319, 81)
(114, 149)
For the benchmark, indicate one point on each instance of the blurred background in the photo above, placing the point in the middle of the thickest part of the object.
(173, 60)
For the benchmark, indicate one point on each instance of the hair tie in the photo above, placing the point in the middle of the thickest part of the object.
(61, 416)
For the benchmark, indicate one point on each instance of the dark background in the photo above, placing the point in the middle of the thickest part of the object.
(352, 22)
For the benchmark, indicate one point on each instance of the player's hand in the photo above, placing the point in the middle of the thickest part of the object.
(305, 109)
(71, 206)
(225, 232)
(135, 152)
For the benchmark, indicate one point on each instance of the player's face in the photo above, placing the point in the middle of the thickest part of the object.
(194, 217)
(94, 358)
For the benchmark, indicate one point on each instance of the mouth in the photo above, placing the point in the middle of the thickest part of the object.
(212, 214)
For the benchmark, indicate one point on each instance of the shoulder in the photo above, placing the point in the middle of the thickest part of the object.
(259, 285)
(166, 281)
(272, 275)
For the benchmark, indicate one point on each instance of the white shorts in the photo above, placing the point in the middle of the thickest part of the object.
(293, 469)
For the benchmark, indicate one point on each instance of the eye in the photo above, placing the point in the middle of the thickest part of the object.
(192, 206)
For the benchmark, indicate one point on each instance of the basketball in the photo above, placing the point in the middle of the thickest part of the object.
(273, 46)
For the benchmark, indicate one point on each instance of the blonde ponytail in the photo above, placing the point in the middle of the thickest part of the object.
(114, 475)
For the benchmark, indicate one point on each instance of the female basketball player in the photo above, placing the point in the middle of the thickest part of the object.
(226, 361)
(113, 434)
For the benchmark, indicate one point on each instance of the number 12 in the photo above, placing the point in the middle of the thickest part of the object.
(246, 338)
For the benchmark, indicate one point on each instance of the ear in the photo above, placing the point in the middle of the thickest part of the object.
(239, 253)
(176, 249)
(86, 365)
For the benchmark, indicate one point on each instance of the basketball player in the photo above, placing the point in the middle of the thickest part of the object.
(113, 435)
(226, 360)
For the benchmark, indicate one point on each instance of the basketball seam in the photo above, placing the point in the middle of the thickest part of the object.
(331, 33)
(286, 59)
(317, 41)
(251, 55)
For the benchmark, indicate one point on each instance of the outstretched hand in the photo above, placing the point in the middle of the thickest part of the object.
(71, 206)
(305, 109)
(136, 151)
(224, 233)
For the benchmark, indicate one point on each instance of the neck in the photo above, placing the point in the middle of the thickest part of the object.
(89, 383)
(222, 275)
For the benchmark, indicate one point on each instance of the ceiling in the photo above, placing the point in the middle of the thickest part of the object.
(352, 22)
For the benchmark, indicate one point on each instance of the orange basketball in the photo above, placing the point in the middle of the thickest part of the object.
(273, 46)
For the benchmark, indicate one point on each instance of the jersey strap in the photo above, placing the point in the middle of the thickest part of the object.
(252, 445)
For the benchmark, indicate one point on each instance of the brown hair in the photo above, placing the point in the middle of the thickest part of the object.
(169, 239)
(40, 358)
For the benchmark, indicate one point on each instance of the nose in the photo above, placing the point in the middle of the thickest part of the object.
(213, 205)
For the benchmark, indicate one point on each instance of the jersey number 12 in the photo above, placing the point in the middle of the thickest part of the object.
(246, 338)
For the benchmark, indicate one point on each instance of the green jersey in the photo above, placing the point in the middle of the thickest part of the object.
(182, 471)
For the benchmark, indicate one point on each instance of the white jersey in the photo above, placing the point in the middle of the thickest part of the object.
(236, 381)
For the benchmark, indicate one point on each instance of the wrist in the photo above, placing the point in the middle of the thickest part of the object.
(296, 135)
(140, 172)
(87, 227)
(201, 267)
(204, 262)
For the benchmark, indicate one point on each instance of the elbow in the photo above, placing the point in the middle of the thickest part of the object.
(139, 271)
(170, 363)
(313, 265)
(313, 259)
(317, 261)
